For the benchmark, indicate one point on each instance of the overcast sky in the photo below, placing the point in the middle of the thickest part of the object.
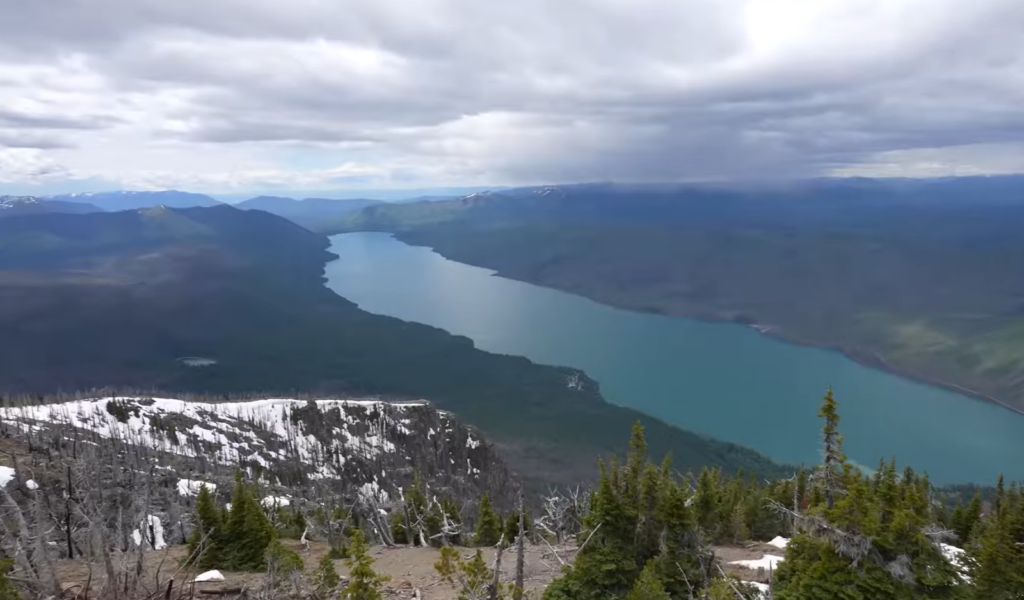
(248, 95)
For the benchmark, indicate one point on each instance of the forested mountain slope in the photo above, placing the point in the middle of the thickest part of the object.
(922, 277)
(144, 299)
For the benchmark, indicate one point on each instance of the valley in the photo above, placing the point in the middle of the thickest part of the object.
(112, 301)
(724, 380)
(916, 277)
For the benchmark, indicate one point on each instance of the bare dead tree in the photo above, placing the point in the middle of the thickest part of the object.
(517, 591)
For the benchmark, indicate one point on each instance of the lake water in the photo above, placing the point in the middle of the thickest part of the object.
(723, 380)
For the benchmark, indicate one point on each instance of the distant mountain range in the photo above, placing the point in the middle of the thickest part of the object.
(30, 205)
(125, 200)
(308, 212)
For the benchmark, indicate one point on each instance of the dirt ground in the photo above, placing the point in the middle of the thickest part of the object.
(410, 569)
(727, 554)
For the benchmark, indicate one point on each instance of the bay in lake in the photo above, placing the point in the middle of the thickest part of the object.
(723, 380)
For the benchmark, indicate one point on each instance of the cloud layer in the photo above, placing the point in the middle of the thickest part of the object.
(257, 94)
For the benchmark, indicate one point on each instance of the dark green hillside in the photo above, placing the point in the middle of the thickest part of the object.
(919, 277)
(115, 299)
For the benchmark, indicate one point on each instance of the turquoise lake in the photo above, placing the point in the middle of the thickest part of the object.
(723, 380)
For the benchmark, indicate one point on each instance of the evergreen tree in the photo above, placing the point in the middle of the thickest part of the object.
(833, 459)
(248, 531)
(208, 527)
(648, 586)
(7, 589)
(472, 578)
(281, 562)
(865, 537)
(969, 518)
(326, 579)
(512, 527)
(364, 583)
(488, 524)
(997, 553)
(708, 501)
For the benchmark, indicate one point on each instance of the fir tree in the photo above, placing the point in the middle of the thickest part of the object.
(472, 578)
(208, 527)
(281, 563)
(512, 527)
(364, 583)
(648, 586)
(997, 552)
(488, 524)
(707, 501)
(325, 579)
(248, 531)
(7, 589)
(833, 459)
(865, 537)
(969, 518)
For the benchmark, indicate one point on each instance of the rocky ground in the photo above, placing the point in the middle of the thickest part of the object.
(410, 569)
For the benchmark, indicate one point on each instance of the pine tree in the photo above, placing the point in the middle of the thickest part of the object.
(364, 583)
(208, 527)
(833, 459)
(512, 526)
(997, 552)
(867, 535)
(472, 577)
(648, 586)
(488, 524)
(7, 589)
(248, 531)
(325, 579)
(969, 518)
(707, 502)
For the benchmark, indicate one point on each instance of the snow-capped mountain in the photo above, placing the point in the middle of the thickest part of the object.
(369, 446)
(30, 205)
(131, 200)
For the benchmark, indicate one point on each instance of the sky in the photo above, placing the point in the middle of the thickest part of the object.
(232, 96)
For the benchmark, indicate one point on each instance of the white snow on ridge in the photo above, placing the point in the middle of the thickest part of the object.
(232, 427)
(209, 576)
(6, 475)
(779, 542)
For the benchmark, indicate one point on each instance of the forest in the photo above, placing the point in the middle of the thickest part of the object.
(642, 530)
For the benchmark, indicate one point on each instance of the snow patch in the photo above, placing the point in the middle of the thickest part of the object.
(762, 587)
(6, 475)
(191, 487)
(32, 485)
(209, 576)
(768, 562)
(956, 557)
(157, 527)
(779, 542)
(276, 502)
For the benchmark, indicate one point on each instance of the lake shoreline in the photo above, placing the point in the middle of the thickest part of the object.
(772, 331)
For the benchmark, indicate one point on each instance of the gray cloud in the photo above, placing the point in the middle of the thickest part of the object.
(462, 91)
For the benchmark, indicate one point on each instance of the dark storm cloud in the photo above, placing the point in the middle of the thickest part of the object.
(541, 91)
